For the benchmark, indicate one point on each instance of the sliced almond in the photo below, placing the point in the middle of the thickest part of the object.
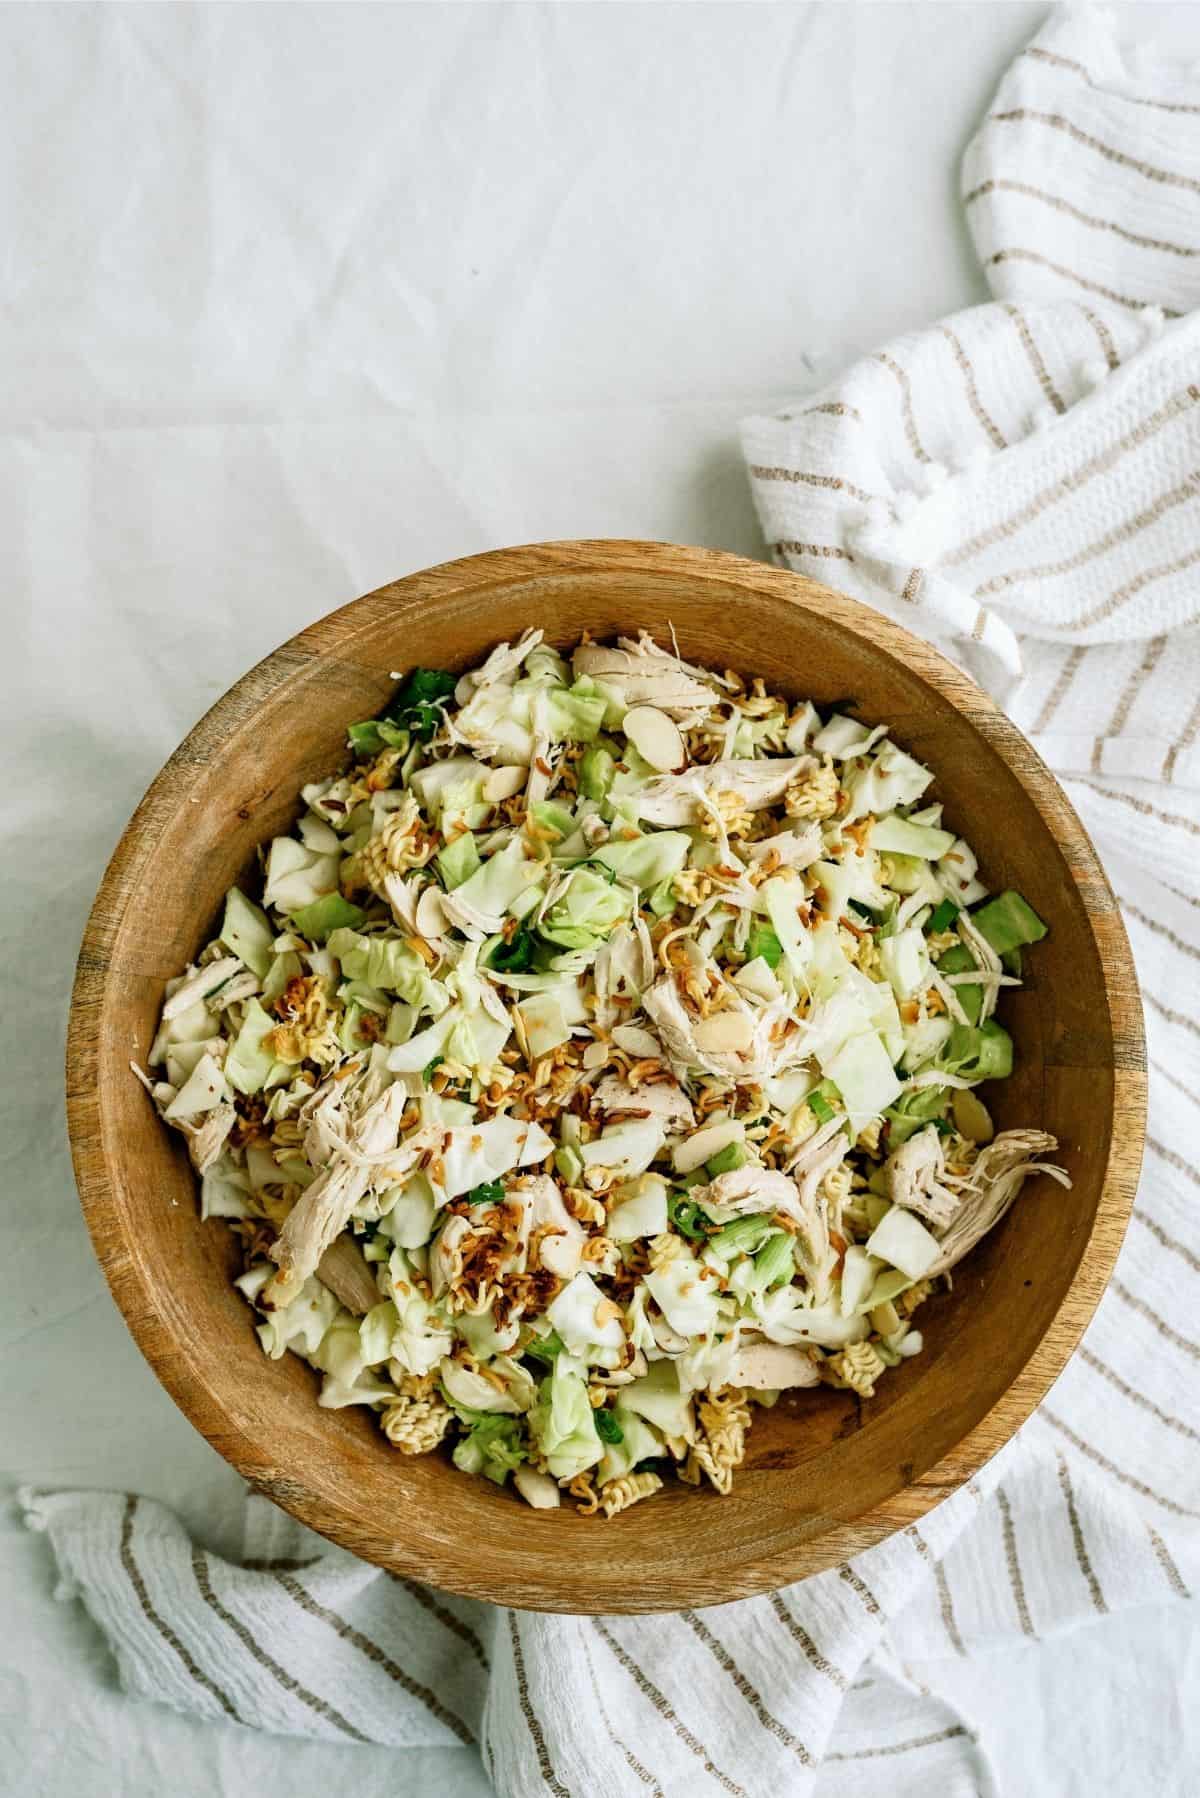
(595, 1055)
(504, 783)
(702, 1145)
(655, 737)
(431, 913)
(636, 1041)
(725, 1033)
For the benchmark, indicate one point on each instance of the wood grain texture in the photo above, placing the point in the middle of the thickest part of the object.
(827, 1474)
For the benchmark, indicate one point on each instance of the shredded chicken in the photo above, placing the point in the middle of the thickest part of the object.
(914, 1175)
(989, 1188)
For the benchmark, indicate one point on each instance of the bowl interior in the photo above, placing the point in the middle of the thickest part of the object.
(825, 1472)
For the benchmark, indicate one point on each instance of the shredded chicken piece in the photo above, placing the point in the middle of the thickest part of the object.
(914, 1174)
(206, 1139)
(679, 799)
(643, 674)
(989, 1188)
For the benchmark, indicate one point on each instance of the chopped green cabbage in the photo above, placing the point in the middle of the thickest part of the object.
(246, 930)
(250, 1058)
(562, 1423)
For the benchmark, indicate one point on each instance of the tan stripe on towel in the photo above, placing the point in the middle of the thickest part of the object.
(1013, 1563)
(1126, 1479)
(373, 1652)
(1181, 1167)
(454, 1624)
(643, 1773)
(1057, 693)
(727, 1663)
(1179, 1018)
(910, 423)
(1000, 184)
(152, 1617)
(1132, 588)
(1144, 807)
(1038, 54)
(283, 1679)
(1108, 342)
(1098, 464)
(1190, 732)
(800, 1634)
(1153, 924)
(1121, 533)
(1132, 304)
(1099, 1602)
(1158, 1324)
(1150, 171)
(834, 482)
(945, 1602)
(1133, 1395)
(870, 1754)
(534, 1724)
(982, 415)
(861, 1589)
(649, 1690)
(1163, 1556)
(1036, 360)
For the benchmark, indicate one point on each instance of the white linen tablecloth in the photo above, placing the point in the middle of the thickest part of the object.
(256, 357)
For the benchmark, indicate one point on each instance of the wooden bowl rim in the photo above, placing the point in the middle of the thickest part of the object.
(137, 1299)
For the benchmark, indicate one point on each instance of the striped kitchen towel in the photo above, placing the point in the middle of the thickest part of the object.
(1020, 484)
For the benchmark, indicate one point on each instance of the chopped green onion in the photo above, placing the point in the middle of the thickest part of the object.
(943, 915)
(515, 956)
(742, 1236)
(488, 1192)
(1007, 921)
(365, 738)
(820, 1107)
(732, 1156)
(414, 702)
(869, 913)
(763, 942)
(775, 1262)
(568, 1163)
(427, 1072)
(690, 1219)
(607, 1427)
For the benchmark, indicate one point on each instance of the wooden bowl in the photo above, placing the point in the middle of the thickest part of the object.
(826, 1474)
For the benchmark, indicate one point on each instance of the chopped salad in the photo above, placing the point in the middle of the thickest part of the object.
(598, 1060)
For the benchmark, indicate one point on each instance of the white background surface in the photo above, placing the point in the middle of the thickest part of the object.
(293, 301)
